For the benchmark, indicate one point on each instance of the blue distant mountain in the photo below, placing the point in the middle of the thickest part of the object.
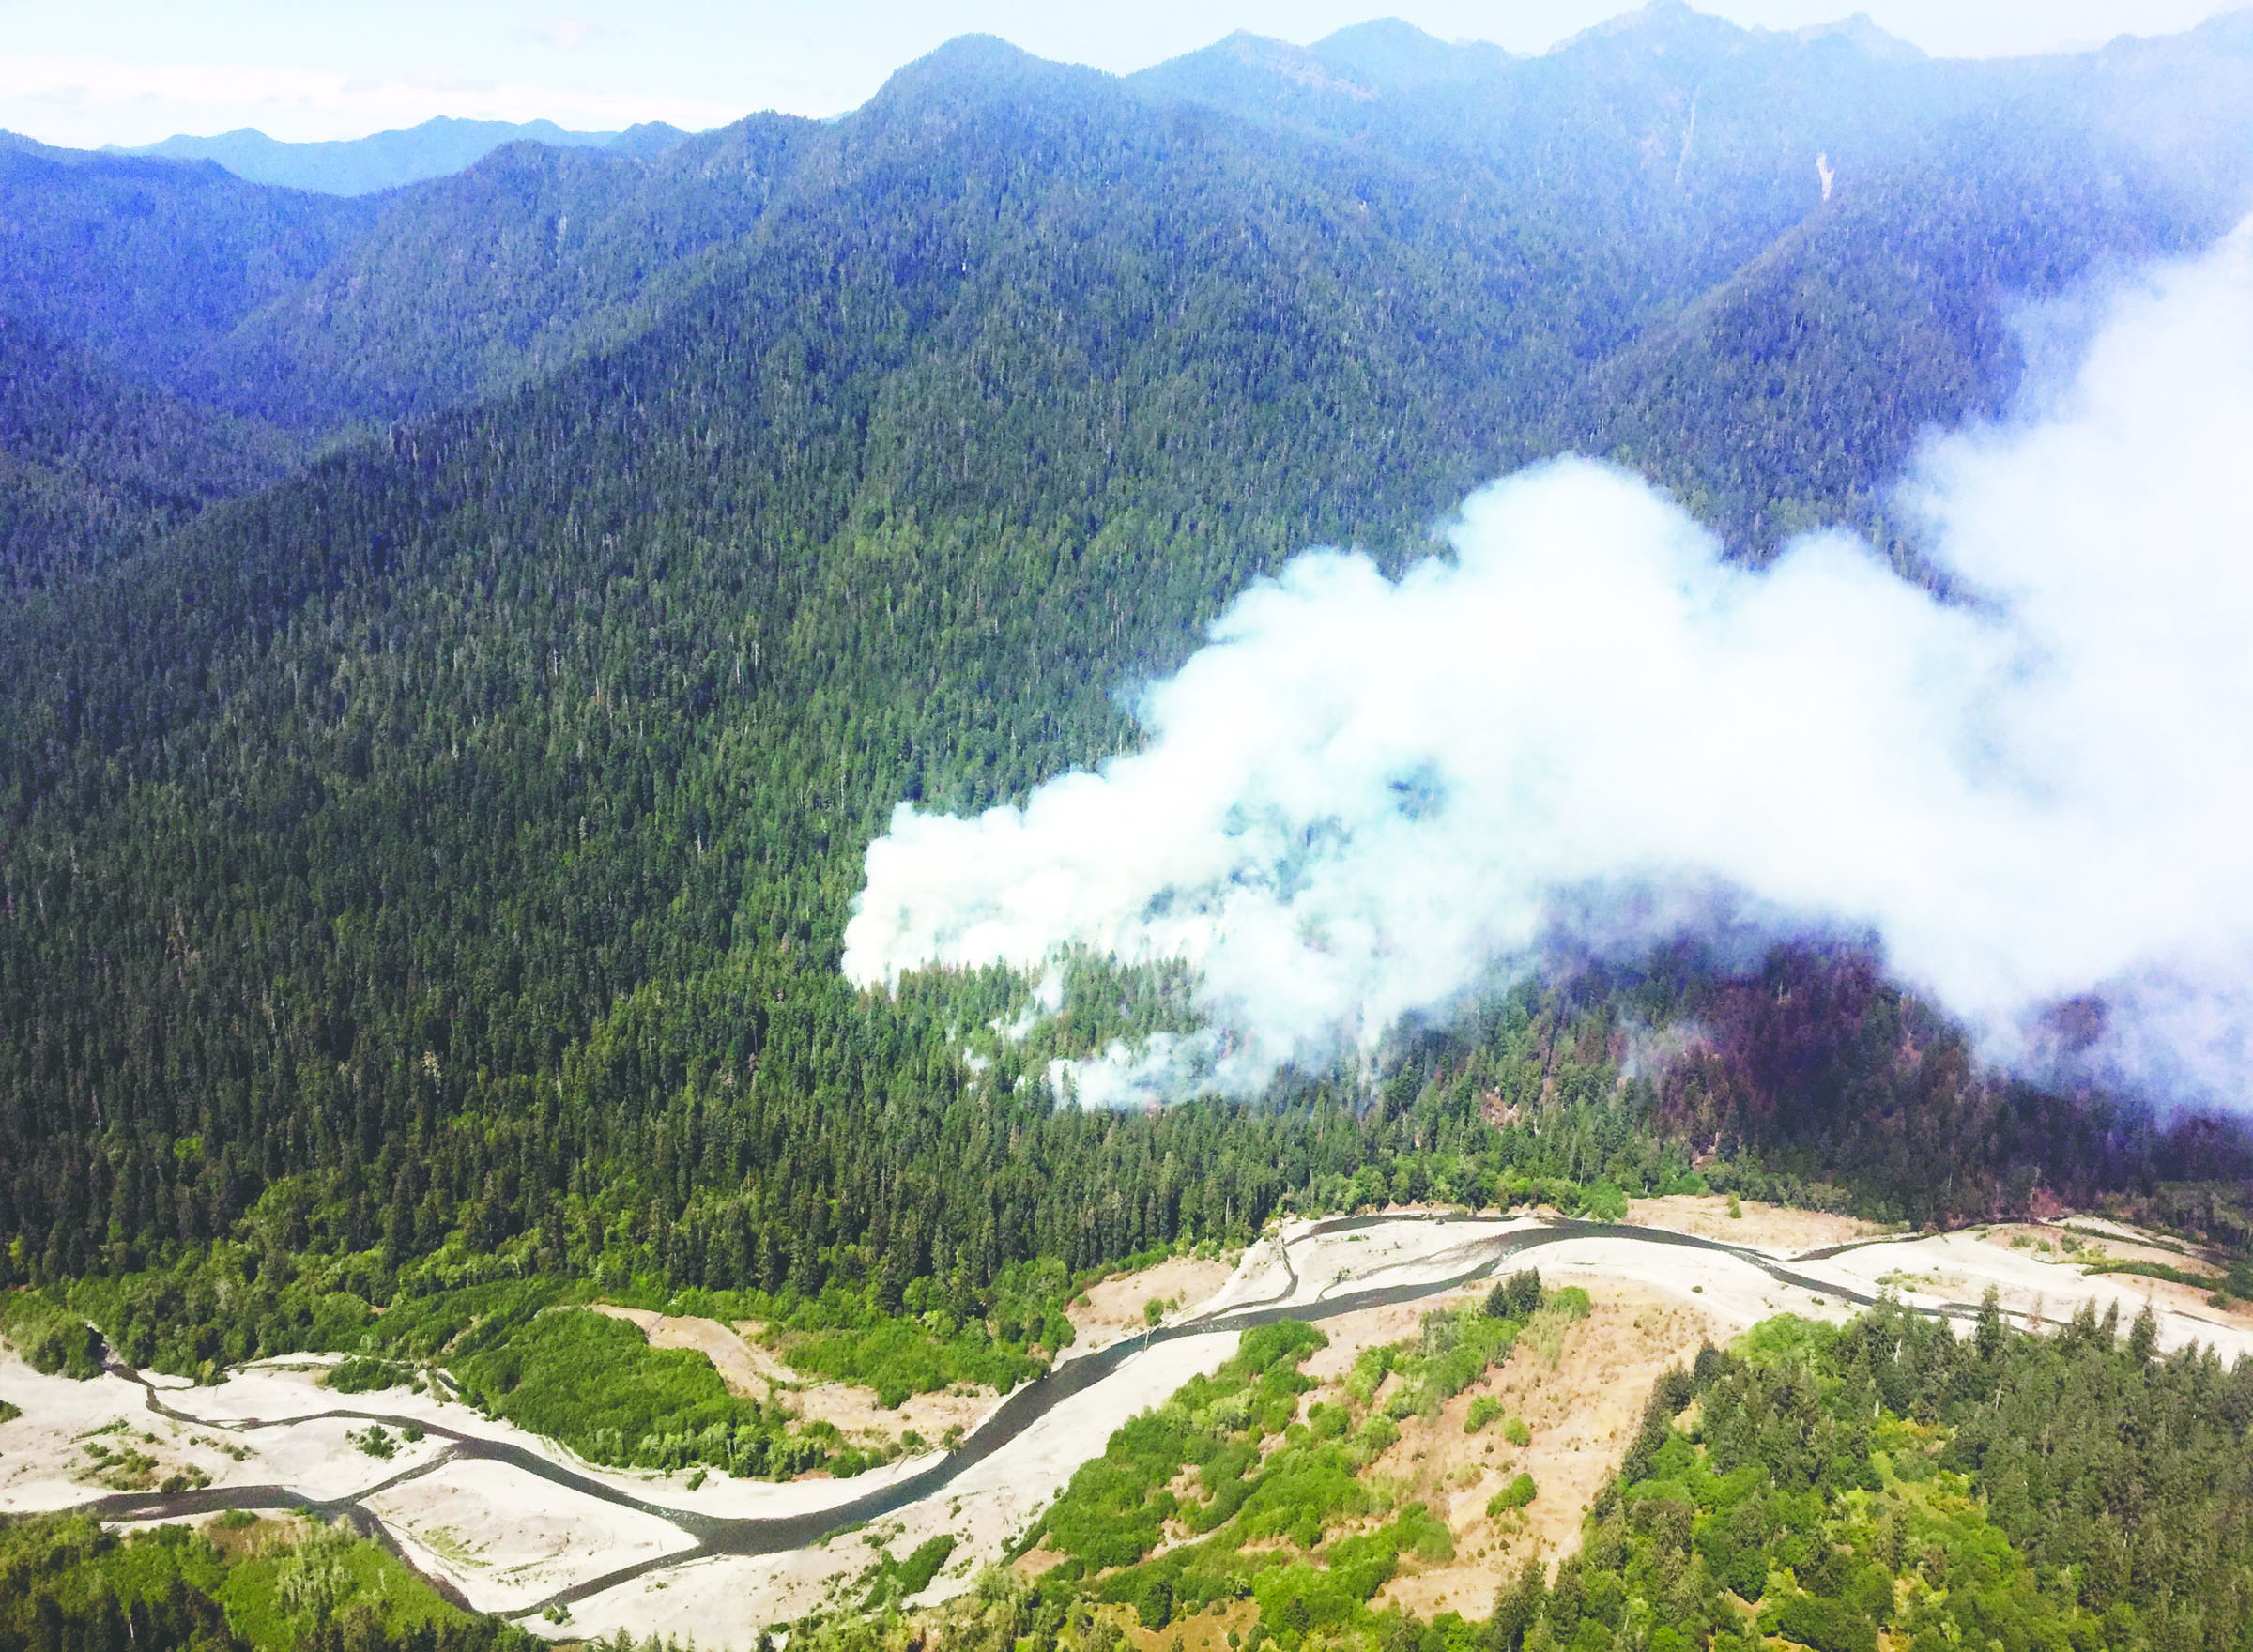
(362, 166)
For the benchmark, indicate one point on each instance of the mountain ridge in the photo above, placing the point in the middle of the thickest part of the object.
(461, 645)
(452, 841)
(389, 158)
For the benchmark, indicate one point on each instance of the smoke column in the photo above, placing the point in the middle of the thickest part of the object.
(1364, 798)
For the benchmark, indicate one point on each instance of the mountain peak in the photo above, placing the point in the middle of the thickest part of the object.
(1860, 32)
(1660, 25)
(1256, 68)
(977, 64)
(1392, 55)
(1668, 25)
(976, 55)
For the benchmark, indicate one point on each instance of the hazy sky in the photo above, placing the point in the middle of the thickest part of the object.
(92, 71)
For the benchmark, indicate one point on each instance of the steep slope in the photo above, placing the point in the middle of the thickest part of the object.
(92, 467)
(444, 853)
(1666, 155)
(1694, 140)
(159, 283)
(471, 284)
(114, 274)
(578, 709)
(1819, 217)
(146, 262)
(1790, 394)
(320, 313)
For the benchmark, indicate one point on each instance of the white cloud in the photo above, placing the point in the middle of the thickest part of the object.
(567, 34)
(1365, 799)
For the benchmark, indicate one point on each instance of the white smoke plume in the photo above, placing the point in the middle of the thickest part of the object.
(1365, 799)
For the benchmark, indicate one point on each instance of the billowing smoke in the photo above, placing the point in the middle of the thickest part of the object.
(1365, 799)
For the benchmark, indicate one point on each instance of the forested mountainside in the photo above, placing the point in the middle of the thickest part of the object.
(115, 273)
(431, 867)
(1870, 280)
(1649, 162)
(144, 262)
(174, 336)
(471, 286)
(93, 466)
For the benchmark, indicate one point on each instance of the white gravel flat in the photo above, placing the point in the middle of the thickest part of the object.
(507, 1540)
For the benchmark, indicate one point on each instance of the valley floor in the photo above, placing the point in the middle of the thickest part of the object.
(512, 1523)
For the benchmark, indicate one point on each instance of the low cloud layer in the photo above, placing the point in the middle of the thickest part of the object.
(1365, 799)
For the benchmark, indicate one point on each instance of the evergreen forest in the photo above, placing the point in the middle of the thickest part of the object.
(461, 641)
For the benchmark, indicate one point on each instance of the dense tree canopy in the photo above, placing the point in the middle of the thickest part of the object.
(438, 859)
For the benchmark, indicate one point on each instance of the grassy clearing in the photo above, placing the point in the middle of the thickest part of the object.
(1545, 1331)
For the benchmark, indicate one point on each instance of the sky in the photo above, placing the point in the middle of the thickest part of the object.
(133, 72)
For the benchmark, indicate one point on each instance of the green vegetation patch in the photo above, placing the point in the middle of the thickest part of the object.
(375, 1441)
(1288, 1523)
(285, 1580)
(49, 1335)
(1517, 1495)
(2159, 1270)
(518, 1352)
(897, 1580)
(840, 1337)
(65, 1569)
(1115, 1508)
(242, 1585)
(228, 1304)
(1517, 1297)
(594, 1384)
(370, 1376)
(1882, 1483)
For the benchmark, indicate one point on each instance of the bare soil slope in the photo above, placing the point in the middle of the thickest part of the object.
(1113, 1307)
(1582, 1410)
(1774, 1228)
